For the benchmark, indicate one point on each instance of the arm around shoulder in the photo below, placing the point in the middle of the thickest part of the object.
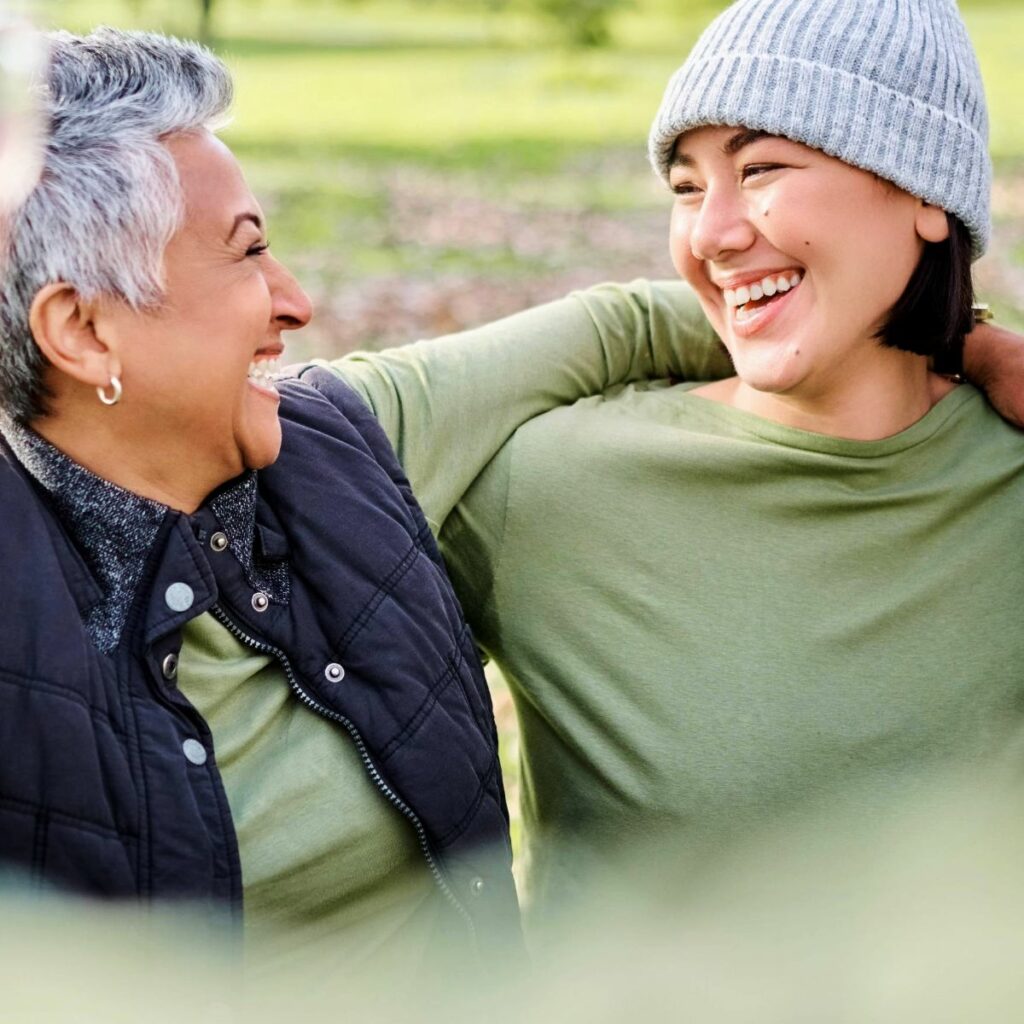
(448, 405)
(994, 361)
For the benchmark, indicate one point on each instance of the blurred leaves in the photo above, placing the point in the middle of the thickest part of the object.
(584, 22)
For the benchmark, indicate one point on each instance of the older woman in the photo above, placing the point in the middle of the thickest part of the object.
(232, 669)
(718, 604)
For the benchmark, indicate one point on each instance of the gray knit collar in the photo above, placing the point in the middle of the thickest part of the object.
(115, 529)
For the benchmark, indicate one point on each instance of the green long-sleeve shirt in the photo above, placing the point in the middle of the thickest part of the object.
(708, 619)
(448, 405)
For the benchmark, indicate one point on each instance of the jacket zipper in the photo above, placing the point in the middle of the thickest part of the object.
(389, 794)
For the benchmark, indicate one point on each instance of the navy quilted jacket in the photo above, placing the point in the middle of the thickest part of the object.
(108, 780)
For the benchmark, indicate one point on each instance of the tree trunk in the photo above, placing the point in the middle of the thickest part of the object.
(205, 23)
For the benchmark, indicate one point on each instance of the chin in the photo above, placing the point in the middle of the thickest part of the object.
(769, 385)
(262, 450)
(776, 374)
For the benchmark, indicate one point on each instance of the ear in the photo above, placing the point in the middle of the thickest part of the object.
(932, 223)
(63, 327)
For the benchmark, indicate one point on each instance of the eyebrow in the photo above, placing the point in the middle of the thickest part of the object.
(732, 146)
(744, 138)
(242, 218)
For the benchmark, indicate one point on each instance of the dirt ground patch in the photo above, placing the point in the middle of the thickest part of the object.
(434, 253)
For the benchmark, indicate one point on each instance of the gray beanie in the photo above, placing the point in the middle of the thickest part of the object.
(891, 86)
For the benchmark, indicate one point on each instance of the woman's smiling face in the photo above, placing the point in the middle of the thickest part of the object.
(796, 257)
(195, 370)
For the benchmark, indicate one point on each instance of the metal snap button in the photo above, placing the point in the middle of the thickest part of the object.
(476, 886)
(260, 601)
(334, 672)
(194, 751)
(169, 666)
(219, 541)
(179, 597)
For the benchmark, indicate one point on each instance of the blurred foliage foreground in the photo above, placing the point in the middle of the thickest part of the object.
(910, 915)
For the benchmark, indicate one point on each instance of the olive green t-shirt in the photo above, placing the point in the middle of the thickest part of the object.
(330, 869)
(710, 620)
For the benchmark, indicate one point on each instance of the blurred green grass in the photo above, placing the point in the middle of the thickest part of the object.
(430, 98)
(346, 111)
(427, 75)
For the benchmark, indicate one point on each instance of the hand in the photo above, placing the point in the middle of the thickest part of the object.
(994, 362)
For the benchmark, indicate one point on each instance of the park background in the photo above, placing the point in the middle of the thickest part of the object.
(428, 165)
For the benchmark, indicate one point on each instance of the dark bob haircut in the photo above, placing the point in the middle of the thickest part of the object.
(933, 314)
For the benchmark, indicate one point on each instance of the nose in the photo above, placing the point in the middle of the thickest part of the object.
(291, 307)
(722, 225)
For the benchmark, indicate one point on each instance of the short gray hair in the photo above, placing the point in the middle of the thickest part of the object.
(108, 199)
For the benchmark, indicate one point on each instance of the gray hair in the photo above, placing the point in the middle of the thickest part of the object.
(108, 199)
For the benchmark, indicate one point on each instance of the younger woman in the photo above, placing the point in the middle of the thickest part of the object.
(717, 603)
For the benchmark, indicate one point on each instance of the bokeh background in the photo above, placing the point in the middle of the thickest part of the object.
(428, 165)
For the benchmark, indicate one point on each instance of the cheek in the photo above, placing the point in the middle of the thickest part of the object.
(254, 302)
(892, 248)
(791, 223)
(873, 263)
(679, 245)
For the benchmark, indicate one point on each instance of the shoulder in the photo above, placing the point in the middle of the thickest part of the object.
(965, 412)
(38, 561)
(320, 401)
(21, 507)
(325, 423)
(318, 391)
(979, 435)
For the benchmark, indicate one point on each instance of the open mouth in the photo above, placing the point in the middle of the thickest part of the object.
(264, 373)
(747, 300)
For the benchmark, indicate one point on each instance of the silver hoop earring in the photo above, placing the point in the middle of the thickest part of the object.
(115, 387)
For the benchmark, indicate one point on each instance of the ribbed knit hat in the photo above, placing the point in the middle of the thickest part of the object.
(891, 86)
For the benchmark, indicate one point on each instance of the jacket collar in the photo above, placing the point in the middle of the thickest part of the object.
(112, 528)
(115, 530)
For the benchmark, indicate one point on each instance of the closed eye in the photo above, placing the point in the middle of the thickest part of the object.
(257, 250)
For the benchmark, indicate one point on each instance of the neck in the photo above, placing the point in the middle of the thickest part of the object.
(858, 403)
(158, 467)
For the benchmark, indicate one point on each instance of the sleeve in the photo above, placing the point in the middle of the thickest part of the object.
(448, 405)
(472, 543)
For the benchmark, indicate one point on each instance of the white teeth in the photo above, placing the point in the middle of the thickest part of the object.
(735, 298)
(263, 371)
